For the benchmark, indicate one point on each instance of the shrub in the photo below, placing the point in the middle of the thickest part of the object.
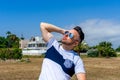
(14, 53)
(17, 53)
(2, 54)
(109, 52)
(92, 53)
(118, 49)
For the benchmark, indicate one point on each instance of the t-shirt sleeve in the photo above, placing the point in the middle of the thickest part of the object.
(52, 42)
(79, 66)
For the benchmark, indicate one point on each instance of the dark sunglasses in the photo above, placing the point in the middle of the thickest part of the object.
(70, 35)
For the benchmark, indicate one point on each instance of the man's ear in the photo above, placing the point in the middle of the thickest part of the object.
(76, 43)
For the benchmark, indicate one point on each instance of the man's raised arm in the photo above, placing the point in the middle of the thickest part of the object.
(46, 30)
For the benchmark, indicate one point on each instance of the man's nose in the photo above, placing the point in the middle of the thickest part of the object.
(66, 35)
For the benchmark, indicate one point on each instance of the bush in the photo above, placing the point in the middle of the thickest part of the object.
(2, 54)
(92, 53)
(104, 52)
(109, 52)
(118, 49)
(14, 53)
(17, 53)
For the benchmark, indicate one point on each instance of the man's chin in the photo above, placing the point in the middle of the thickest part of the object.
(66, 43)
(63, 42)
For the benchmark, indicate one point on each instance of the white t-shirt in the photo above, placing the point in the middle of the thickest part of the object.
(60, 64)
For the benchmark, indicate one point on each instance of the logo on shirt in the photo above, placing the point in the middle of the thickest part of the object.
(68, 63)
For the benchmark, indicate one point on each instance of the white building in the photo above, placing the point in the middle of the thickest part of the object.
(34, 46)
(23, 43)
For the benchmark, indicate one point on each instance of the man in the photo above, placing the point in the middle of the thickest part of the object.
(60, 61)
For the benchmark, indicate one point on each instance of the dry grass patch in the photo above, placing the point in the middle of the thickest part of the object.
(14, 70)
(102, 68)
(96, 69)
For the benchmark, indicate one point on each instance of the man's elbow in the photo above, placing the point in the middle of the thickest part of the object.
(41, 24)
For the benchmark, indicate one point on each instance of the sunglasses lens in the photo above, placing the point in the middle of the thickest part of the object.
(71, 35)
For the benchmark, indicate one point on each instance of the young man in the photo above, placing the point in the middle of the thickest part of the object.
(60, 61)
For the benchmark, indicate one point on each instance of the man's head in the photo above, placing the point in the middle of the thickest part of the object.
(80, 32)
(73, 37)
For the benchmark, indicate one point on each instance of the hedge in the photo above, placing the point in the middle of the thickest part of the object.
(10, 53)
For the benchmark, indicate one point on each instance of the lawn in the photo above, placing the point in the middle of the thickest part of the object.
(96, 69)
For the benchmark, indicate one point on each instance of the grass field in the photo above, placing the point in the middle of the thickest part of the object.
(96, 69)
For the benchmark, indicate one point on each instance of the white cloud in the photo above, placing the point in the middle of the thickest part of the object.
(97, 30)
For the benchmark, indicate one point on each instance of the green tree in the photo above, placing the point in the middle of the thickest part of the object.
(105, 49)
(8, 33)
(118, 49)
(3, 42)
(22, 38)
(12, 40)
(82, 47)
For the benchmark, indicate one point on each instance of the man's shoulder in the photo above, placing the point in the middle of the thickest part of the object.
(53, 43)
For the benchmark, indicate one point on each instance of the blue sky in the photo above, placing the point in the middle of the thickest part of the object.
(98, 18)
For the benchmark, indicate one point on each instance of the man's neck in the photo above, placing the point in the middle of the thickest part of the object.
(68, 48)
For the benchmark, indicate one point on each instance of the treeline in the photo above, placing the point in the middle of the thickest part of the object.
(9, 47)
(103, 49)
(10, 41)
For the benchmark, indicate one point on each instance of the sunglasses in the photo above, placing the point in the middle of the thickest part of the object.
(70, 35)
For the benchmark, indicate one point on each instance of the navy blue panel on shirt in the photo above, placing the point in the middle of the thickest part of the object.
(67, 65)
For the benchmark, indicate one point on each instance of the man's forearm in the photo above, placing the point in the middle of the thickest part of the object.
(51, 28)
(46, 30)
(81, 76)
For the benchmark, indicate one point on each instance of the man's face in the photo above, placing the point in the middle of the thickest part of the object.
(70, 37)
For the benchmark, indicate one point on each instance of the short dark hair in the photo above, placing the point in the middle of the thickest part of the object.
(80, 32)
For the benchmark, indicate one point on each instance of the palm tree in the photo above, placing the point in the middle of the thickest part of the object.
(8, 33)
(22, 38)
(105, 49)
(12, 40)
(118, 49)
(82, 47)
